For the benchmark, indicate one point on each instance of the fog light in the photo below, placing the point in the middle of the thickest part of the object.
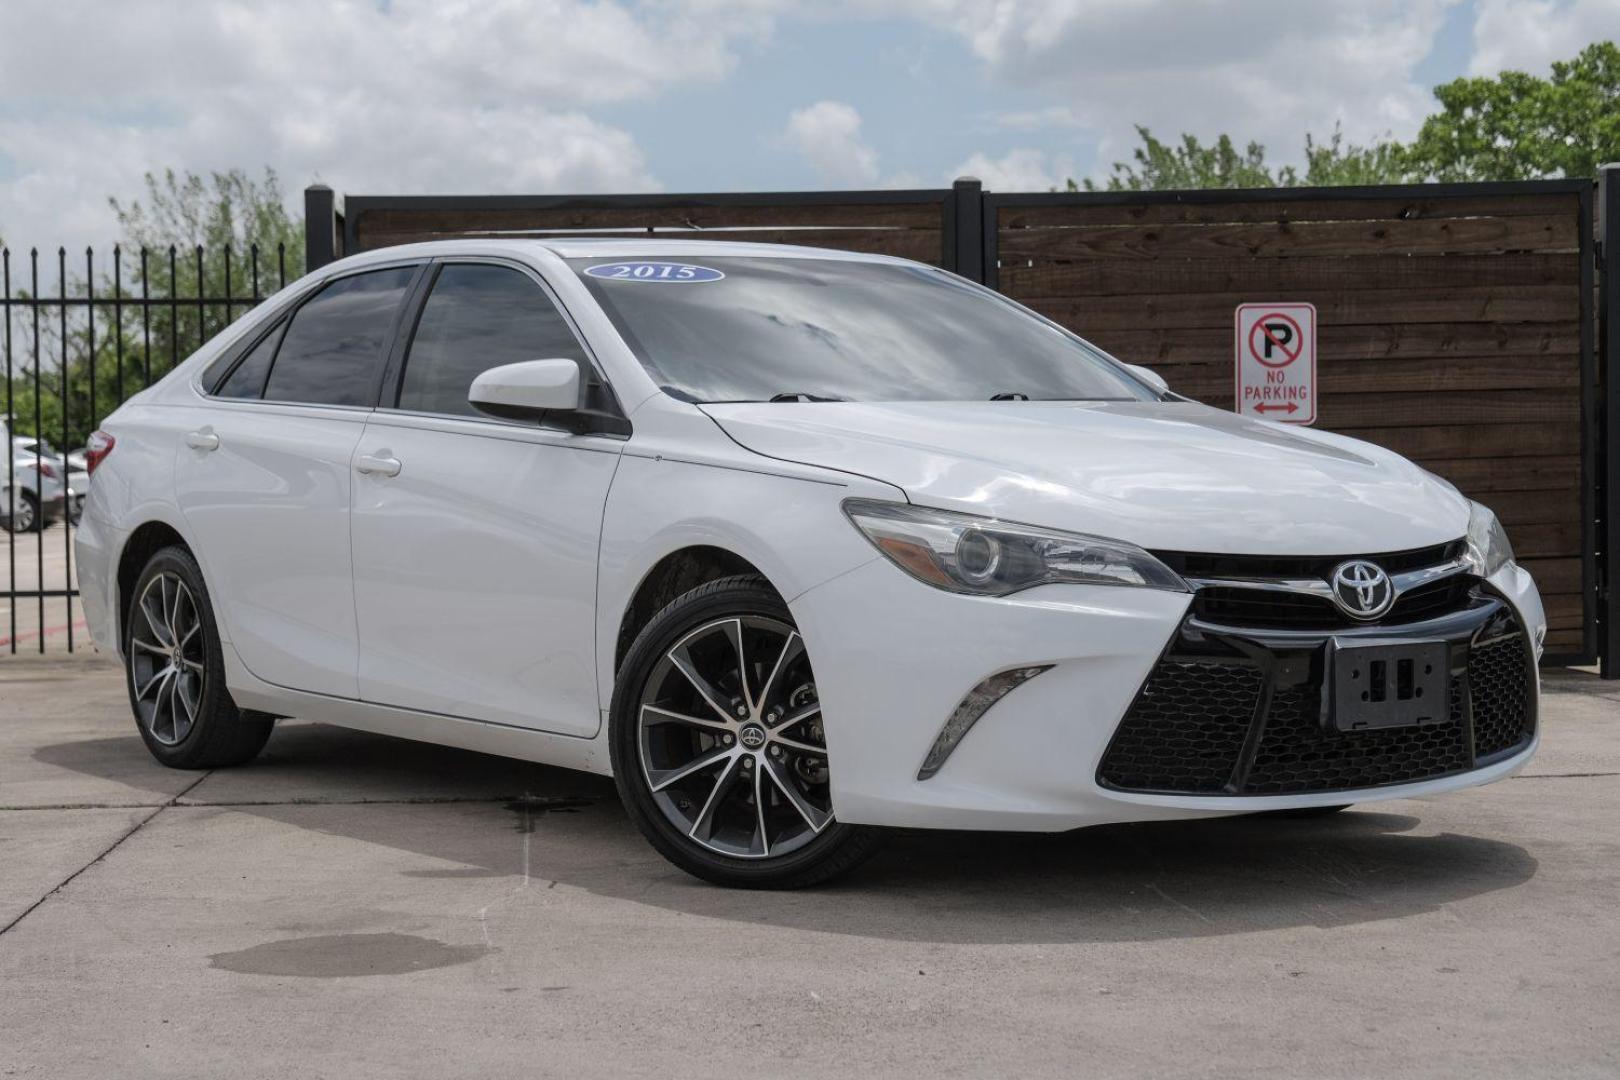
(967, 713)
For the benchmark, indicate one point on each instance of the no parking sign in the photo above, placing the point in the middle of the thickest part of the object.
(1276, 361)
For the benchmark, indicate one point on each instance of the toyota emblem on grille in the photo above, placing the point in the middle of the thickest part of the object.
(1362, 589)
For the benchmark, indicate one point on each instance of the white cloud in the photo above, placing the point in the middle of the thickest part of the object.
(827, 135)
(1269, 70)
(1017, 170)
(1528, 35)
(416, 95)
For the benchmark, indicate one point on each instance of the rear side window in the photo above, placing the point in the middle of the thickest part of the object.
(247, 381)
(332, 352)
(478, 317)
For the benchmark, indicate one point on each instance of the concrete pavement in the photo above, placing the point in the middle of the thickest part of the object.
(26, 559)
(355, 906)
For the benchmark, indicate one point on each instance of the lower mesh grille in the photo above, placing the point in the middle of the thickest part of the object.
(1186, 733)
(1297, 754)
(1497, 674)
(1187, 727)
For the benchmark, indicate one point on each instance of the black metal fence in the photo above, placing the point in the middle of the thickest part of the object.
(78, 339)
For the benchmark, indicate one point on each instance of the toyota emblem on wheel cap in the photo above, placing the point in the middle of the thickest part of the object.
(1362, 589)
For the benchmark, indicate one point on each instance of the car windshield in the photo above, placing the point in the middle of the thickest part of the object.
(713, 329)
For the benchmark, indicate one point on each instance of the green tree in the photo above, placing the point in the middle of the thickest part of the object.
(1511, 127)
(1338, 164)
(1158, 165)
(1520, 127)
(1189, 164)
(197, 235)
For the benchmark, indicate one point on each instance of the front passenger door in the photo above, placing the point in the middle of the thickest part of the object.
(475, 539)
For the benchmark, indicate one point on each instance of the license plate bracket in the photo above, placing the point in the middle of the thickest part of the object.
(1388, 684)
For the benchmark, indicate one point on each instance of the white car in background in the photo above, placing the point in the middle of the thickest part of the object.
(62, 468)
(32, 498)
(795, 544)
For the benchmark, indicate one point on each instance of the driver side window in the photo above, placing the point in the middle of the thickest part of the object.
(479, 316)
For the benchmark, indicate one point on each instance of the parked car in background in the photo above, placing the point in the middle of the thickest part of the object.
(794, 544)
(76, 476)
(34, 496)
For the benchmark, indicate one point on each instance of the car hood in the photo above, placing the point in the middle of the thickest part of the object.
(1167, 476)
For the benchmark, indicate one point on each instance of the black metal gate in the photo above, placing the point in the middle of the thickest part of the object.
(78, 339)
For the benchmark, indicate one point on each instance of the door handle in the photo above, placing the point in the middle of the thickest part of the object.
(205, 439)
(380, 464)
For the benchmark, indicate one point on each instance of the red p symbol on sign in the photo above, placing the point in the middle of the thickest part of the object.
(1276, 340)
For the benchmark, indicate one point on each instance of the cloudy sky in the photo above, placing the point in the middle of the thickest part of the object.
(553, 96)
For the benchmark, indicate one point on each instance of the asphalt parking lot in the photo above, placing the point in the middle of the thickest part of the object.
(352, 906)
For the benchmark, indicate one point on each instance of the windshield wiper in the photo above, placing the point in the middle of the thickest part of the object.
(1010, 395)
(803, 397)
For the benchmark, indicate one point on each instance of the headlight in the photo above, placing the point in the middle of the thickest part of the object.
(1488, 548)
(969, 554)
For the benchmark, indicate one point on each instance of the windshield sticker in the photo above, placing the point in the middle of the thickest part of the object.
(654, 271)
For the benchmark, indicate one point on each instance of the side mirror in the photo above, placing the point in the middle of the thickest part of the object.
(526, 390)
(1149, 376)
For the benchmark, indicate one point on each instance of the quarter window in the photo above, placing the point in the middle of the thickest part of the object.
(478, 317)
(332, 352)
(247, 380)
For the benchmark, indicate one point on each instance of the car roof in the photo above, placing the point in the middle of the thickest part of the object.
(634, 246)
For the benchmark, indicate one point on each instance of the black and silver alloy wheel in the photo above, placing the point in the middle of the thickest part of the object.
(718, 745)
(731, 741)
(166, 658)
(176, 671)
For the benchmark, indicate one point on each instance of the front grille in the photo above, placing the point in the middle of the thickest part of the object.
(1203, 565)
(1266, 608)
(1224, 716)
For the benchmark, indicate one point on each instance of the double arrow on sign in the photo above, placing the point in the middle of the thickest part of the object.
(1290, 407)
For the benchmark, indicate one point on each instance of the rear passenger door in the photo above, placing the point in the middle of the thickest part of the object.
(264, 478)
(475, 544)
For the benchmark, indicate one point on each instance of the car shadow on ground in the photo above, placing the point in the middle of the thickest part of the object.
(482, 817)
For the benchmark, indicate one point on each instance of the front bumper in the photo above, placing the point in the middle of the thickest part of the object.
(893, 657)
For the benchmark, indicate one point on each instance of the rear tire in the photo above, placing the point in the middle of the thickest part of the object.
(728, 780)
(174, 667)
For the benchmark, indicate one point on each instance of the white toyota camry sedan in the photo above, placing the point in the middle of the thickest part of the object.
(793, 543)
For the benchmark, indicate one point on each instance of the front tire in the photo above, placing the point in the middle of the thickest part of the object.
(175, 669)
(717, 743)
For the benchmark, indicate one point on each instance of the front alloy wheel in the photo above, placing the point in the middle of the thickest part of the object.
(718, 743)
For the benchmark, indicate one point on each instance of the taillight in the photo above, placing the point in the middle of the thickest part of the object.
(45, 467)
(96, 449)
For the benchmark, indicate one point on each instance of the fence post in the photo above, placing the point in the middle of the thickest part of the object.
(1608, 228)
(320, 227)
(967, 211)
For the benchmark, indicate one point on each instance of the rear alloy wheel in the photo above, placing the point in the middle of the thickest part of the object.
(718, 744)
(176, 671)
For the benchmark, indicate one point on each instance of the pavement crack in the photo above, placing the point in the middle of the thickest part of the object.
(131, 831)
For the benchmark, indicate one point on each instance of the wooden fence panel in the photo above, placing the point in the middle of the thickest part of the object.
(910, 227)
